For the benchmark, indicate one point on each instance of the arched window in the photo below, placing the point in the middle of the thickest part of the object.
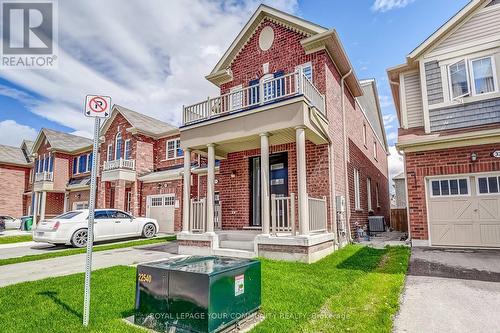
(118, 146)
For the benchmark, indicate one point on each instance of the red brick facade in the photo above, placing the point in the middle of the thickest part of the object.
(440, 162)
(14, 180)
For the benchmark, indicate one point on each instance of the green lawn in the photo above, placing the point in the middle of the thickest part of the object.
(73, 251)
(15, 239)
(355, 289)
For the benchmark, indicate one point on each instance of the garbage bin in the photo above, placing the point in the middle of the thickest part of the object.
(28, 223)
(197, 294)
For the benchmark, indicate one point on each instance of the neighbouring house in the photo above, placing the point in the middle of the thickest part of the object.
(295, 148)
(141, 167)
(61, 173)
(15, 176)
(447, 98)
(399, 190)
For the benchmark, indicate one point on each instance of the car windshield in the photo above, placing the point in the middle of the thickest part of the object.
(67, 216)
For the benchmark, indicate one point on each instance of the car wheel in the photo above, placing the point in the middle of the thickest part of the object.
(149, 230)
(79, 238)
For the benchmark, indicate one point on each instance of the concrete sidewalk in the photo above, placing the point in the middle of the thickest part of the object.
(41, 269)
(451, 290)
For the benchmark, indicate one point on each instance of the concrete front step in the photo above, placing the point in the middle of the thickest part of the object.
(237, 236)
(237, 244)
(234, 253)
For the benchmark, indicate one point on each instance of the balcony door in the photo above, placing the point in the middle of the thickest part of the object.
(278, 174)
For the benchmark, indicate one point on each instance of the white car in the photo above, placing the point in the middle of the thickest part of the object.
(71, 228)
(11, 222)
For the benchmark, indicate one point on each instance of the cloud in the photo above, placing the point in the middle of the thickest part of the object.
(386, 5)
(13, 134)
(392, 135)
(385, 101)
(396, 164)
(389, 118)
(152, 65)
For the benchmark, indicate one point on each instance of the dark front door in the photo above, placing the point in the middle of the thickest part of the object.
(278, 174)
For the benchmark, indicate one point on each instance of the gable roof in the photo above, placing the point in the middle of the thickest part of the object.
(13, 155)
(141, 123)
(316, 38)
(61, 141)
(370, 104)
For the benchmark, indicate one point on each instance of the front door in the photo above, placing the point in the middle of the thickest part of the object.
(278, 174)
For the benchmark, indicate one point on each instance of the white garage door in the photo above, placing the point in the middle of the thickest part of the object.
(162, 208)
(465, 210)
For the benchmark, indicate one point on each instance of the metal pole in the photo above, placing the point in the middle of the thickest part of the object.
(90, 232)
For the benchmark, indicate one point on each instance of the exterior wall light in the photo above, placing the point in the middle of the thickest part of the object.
(473, 157)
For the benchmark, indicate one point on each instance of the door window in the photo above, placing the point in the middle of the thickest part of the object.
(449, 187)
(101, 214)
(488, 185)
(116, 214)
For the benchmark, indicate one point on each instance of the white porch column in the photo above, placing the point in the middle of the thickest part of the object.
(42, 207)
(264, 184)
(186, 199)
(35, 209)
(66, 197)
(210, 187)
(302, 180)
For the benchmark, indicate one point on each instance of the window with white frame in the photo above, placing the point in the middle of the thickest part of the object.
(236, 97)
(369, 193)
(365, 141)
(488, 185)
(128, 149)
(449, 187)
(110, 152)
(306, 69)
(483, 75)
(459, 80)
(118, 146)
(375, 149)
(357, 192)
(174, 149)
(376, 196)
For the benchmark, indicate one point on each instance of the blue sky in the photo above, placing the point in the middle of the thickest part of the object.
(156, 65)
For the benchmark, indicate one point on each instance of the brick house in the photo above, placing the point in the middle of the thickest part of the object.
(447, 98)
(141, 164)
(60, 173)
(15, 176)
(295, 146)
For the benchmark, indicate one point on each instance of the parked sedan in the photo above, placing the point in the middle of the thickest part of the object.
(71, 228)
(11, 222)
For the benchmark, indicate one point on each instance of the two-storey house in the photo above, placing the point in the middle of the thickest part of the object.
(141, 165)
(15, 177)
(61, 173)
(447, 97)
(294, 146)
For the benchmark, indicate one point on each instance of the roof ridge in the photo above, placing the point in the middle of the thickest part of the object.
(144, 115)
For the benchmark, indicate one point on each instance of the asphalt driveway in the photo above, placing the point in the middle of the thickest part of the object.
(451, 290)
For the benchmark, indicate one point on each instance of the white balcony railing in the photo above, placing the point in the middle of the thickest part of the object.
(119, 164)
(198, 215)
(45, 176)
(283, 214)
(268, 91)
(317, 214)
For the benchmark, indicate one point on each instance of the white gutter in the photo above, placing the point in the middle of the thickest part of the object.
(346, 173)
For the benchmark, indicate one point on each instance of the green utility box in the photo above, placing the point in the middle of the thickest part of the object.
(197, 294)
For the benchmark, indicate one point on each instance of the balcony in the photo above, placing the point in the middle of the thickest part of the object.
(266, 92)
(44, 181)
(120, 169)
(277, 106)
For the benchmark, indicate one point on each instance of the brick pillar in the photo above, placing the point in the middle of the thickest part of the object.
(120, 194)
(101, 195)
(134, 201)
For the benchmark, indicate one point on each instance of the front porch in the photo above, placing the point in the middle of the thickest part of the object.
(268, 200)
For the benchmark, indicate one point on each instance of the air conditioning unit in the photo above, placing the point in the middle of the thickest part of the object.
(376, 224)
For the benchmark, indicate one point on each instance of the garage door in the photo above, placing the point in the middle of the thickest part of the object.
(465, 210)
(162, 208)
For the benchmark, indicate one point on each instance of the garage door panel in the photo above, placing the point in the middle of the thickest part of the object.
(467, 219)
(162, 209)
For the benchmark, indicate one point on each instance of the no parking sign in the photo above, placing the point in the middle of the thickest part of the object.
(97, 106)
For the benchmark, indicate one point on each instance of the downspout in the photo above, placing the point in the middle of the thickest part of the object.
(406, 196)
(346, 173)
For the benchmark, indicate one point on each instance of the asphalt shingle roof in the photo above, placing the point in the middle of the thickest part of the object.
(65, 141)
(12, 155)
(145, 123)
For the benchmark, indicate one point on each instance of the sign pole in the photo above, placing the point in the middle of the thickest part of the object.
(90, 233)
